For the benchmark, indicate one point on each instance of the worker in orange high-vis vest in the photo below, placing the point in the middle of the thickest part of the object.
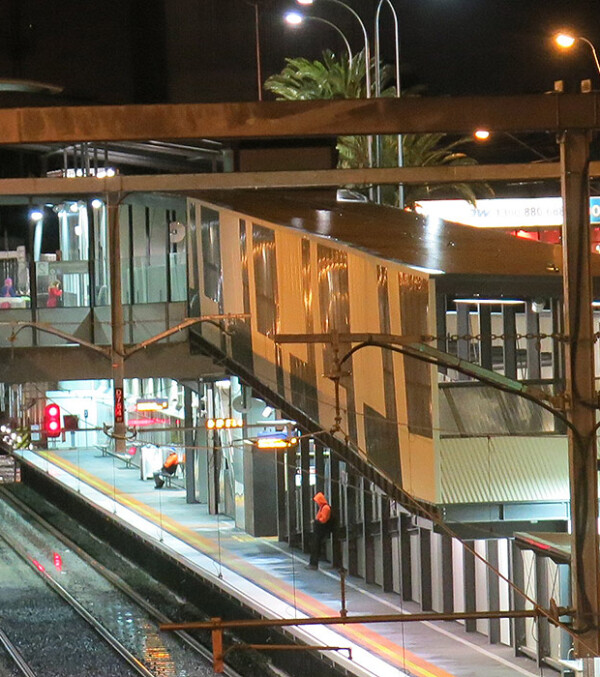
(321, 529)
(169, 468)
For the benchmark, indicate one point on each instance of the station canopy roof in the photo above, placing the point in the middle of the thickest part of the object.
(429, 243)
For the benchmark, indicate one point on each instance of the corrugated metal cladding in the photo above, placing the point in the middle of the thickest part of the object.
(504, 469)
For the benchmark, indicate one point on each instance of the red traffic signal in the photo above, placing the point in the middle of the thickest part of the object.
(52, 425)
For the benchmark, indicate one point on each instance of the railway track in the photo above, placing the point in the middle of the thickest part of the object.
(62, 613)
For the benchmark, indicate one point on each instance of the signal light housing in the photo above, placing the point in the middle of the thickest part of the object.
(52, 426)
(223, 423)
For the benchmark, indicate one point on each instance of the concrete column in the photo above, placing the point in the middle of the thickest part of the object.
(190, 452)
(405, 558)
(387, 574)
(351, 526)
(260, 480)
(493, 592)
(518, 603)
(469, 586)
(368, 546)
(447, 575)
(425, 557)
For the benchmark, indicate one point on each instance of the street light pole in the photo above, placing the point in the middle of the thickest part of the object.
(566, 41)
(296, 19)
(400, 155)
(254, 3)
(365, 37)
(367, 68)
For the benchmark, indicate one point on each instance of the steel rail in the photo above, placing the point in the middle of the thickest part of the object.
(111, 577)
(14, 653)
(133, 662)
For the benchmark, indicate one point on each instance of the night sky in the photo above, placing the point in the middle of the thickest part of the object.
(133, 51)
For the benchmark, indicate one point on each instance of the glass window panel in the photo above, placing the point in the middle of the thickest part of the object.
(265, 278)
(211, 254)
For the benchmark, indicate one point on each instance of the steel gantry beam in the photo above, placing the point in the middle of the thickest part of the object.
(181, 183)
(296, 119)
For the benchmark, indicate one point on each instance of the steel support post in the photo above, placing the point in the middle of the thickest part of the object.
(534, 361)
(509, 327)
(116, 318)
(485, 332)
(579, 390)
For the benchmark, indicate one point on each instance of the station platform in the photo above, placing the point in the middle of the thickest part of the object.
(271, 578)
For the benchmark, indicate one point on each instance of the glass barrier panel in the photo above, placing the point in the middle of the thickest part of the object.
(62, 284)
(178, 276)
(14, 282)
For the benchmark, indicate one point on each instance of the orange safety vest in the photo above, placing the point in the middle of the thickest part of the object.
(171, 460)
(324, 512)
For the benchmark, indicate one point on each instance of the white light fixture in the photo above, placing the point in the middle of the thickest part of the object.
(267, 411)
(36, 215)
(495, 302)
(564, 40)
(96, 203)
(293, 18)
(428, 271)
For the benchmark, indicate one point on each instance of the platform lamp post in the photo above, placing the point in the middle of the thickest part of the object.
(297, 19)
(567, 40)
(400, 155)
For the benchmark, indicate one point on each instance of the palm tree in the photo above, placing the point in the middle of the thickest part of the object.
(336, 78)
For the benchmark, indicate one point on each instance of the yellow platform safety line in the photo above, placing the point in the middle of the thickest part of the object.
(359, 634)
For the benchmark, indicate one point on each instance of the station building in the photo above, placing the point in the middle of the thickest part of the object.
(417, 459)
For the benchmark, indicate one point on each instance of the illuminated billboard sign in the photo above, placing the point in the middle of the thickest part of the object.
(504, 212)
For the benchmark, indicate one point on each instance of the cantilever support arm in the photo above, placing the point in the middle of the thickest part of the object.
(416, 346)
(212, 319)
(49, 329)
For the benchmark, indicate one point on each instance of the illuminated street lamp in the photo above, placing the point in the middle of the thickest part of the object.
(364, 32)
(297, 19)
(567, 40)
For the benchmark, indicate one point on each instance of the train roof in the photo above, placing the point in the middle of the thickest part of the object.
(397, 235)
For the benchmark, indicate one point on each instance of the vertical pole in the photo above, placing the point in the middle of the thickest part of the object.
(217, 647)
(257, 47)
(579, 390)
(116, 319)
(343, 609)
